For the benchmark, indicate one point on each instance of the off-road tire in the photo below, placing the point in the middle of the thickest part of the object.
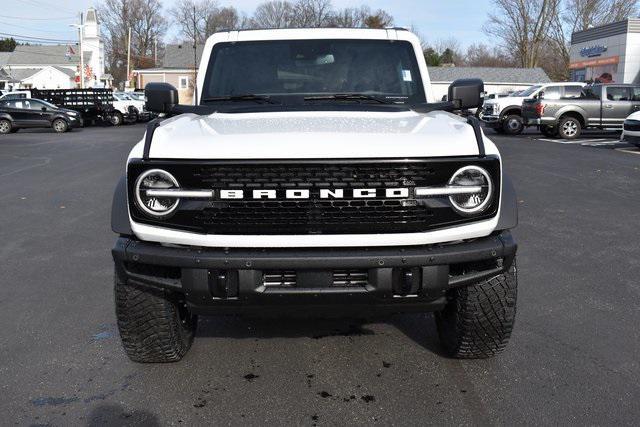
(116, 118)
(59, 126)
(477, 321)
(154, 326)
(569, 127)
(5, 126)
(513, 124)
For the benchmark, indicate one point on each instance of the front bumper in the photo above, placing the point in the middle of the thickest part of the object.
(396, 279)
(491, 121)
(75, 122)
(539, 121)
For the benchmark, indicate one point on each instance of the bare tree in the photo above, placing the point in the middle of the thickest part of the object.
(312, 13)
(224, 18)
(523, 26)
(148, 26)
(379, 19)
(273, 14)
(350, 17)
(191, 17)
(481, 55)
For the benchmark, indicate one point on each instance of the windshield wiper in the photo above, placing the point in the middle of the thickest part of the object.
(350, 97)
(244, 97)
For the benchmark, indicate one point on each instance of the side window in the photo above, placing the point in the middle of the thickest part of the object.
(552, 92)
(35, 105)
(183, 82)
(572, 91)
(635, 93)
(618, 93)
(589, 93)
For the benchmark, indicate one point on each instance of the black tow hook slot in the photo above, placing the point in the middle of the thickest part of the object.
(223, 283)
(406, 281)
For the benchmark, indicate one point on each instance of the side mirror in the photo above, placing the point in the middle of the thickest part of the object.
(44, 109)
(161, 97)
(466, 93)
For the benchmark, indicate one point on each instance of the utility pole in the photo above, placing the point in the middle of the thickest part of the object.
(128, 57)
(81, 30)
(155, 52)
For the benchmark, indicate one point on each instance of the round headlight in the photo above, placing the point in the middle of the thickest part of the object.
(156, 179)
(472, 202)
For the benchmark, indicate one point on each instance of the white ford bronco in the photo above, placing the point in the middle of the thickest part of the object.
(314, 175)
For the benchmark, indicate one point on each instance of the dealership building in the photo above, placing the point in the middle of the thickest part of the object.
(610, 53)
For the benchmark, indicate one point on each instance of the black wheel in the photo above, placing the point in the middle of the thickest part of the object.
(513, 124)
(549, 131)
(60, 126)
(569, 128)
(116, 119)
(155, 327)
(477, 321)
(5, 126)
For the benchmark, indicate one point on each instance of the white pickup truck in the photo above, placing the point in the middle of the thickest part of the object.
(314, 175)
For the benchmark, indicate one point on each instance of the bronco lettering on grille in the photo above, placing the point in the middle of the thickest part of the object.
(324, 193)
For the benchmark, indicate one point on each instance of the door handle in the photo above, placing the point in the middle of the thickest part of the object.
(608, 105)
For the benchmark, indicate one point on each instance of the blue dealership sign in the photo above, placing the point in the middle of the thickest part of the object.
(592, 51)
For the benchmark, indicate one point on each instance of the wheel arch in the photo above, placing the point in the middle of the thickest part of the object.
(511, 110)
(576, 114)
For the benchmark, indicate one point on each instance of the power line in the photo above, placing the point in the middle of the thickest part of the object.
(38, 3)
(24, 18)
(27, 28)
(37, 38)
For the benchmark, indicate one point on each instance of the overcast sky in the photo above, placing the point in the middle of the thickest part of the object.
(434, 19)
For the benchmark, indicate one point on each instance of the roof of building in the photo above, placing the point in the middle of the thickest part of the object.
(631, 25)
(180, 55)
(45, 55)
(489, 74)
(4, 57)
(19, 74)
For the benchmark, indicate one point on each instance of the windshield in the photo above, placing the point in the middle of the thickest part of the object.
(294, 69)
(529, 91)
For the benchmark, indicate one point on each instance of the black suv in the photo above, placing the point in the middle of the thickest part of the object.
(22, 113)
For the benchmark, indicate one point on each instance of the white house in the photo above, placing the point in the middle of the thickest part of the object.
(56, 66)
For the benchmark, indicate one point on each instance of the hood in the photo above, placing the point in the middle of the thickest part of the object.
(507, 100)
(634, 116)
(313, 135)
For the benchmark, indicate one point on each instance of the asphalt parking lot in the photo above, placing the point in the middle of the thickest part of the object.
(573, 357)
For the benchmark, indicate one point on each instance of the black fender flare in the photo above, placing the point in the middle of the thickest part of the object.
(508, 217)
(120, 209)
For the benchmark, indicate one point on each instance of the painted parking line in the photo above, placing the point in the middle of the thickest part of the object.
(596, 141)
(629, 150)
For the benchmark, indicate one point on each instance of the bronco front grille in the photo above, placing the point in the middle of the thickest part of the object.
(313, 215)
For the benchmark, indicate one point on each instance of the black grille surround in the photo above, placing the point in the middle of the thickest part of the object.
(632, 125)
(314, 215)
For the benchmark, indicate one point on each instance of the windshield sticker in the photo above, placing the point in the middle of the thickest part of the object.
(406, 75)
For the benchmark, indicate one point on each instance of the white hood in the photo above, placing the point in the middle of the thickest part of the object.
(313, 135)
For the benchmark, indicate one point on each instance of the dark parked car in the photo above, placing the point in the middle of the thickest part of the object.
(567, 112)
(22, 113)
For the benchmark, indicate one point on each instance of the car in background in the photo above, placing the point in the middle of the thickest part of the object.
(504, 115)
(631, 129)
(138, 96)
(129, 109)
(566, 113)
(23, 113)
